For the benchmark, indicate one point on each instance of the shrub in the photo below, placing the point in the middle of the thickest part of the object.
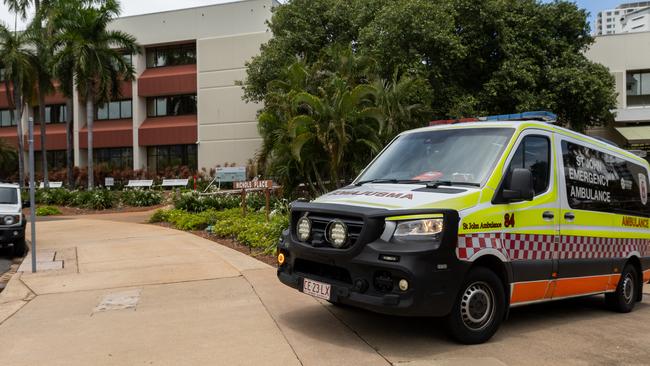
(54, 196)
(141, 198)
(159, 216)
(47, 211)
(251, 230)
(99, 199)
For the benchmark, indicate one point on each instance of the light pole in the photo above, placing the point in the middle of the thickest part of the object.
(32, 189)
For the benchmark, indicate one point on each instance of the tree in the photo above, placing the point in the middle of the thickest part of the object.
(41, 38)
(18, 61)
(322, 123)
(8, 160)
(91, 56)
(477, 57)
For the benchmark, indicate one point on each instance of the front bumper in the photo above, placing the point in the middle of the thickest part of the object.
(11, 235)
(362, 277)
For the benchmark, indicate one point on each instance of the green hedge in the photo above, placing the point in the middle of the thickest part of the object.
(251, 230)
(193, 202)
(98, 199)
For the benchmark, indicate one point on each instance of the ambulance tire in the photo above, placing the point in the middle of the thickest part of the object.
(624, 298)
(479, 308)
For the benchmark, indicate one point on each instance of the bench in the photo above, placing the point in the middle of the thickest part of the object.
(174, 182)
(51, 185)
(139, 183)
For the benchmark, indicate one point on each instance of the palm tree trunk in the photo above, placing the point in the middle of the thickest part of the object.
(70, 143)
(90, 112)
(41, 117)
(19, 131)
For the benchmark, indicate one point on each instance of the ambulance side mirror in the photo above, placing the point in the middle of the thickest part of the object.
(520, 187)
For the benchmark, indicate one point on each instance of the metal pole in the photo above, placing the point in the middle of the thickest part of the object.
(32, 190)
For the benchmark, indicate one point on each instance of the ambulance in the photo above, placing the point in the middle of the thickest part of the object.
(465, 221)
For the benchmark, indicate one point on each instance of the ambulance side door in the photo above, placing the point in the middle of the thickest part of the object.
(531, 227)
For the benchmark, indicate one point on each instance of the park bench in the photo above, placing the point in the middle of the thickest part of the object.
(51, 185)
(174, 182)
(139, 183)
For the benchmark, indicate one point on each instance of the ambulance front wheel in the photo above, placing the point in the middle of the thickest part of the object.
(479, 308)
(624, 298)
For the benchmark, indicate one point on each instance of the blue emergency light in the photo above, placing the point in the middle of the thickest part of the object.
(543, 116)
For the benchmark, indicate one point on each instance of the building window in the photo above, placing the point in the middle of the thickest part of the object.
(114, 158)
(121, 109)
(160, 158)
(176, 105)
(171, 55)
(5, 118)
(56, 113)
(638, 88)
(56, 159)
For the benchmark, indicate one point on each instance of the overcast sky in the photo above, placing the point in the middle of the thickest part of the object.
(132, 7)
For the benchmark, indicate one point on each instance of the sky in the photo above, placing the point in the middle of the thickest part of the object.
(133, 7)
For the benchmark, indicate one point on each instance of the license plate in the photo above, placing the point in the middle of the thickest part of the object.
(316, 289)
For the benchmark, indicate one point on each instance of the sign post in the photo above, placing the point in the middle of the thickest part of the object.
(32, 189)
(256, 184)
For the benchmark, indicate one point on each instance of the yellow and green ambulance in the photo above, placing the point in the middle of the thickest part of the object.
(467, 220)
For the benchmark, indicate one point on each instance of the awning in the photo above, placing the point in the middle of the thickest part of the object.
(56, 138)
(169, 80)
(115, 133)
(636, 134)
(174, 130)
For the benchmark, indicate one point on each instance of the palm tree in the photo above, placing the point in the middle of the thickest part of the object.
(8, 159)
(41, 39)
(90, 55)
(18, 61)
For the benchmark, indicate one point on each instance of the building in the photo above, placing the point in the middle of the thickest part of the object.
(184, 108)
(625, 18)
(627, 56)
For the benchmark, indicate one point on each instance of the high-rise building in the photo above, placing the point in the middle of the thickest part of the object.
(625, 18)
(183, 109)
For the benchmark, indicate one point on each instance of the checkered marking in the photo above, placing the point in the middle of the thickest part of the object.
(535, 246)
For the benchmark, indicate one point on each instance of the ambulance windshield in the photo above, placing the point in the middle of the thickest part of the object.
(457, 155)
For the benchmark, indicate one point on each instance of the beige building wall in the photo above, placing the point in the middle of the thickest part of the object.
(227, 125)
(226, 35)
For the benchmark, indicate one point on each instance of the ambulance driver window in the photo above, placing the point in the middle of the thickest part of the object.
(598, 181)
(533, 154)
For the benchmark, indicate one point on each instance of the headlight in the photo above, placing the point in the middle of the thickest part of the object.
(10, 220)
(303, 228)
(337, 233)
(424, 227)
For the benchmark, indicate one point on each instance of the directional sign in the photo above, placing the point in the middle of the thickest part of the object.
(253, 184)
(231, 174)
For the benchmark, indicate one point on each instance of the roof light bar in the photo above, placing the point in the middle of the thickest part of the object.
(543, 116)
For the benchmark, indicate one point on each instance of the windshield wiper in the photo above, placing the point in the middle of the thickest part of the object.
(438, 183)
(383, 180)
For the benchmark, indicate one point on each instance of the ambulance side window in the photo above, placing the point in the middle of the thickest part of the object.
(534, 154)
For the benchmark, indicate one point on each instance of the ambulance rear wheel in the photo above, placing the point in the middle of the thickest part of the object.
(479, 308)
(624, 298)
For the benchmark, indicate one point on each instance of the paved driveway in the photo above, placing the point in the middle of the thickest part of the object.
(135, 294)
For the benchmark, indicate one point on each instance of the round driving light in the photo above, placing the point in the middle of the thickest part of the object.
(15, 233)
(281, 259)
(9, 220)
(304, 229)
(403, 284)
(337, 233)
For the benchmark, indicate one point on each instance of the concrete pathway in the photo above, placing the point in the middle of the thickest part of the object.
(137, 294)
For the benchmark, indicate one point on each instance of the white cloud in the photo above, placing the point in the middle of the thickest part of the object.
(129, 7)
